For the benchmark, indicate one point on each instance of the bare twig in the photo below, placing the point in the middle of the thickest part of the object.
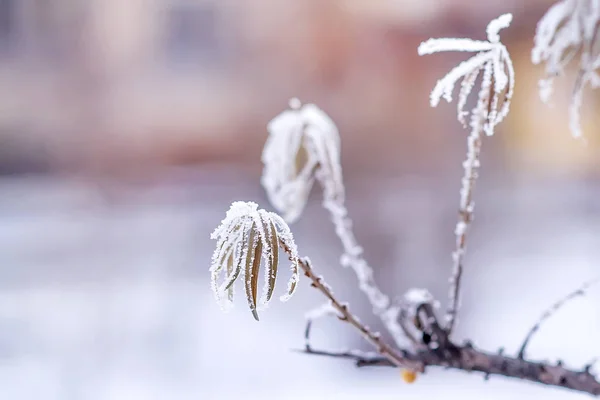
(345, 315)
(467, 358)
(319, 312)
(361, 359)
(393, 356)
(552, 310)
(436, 350)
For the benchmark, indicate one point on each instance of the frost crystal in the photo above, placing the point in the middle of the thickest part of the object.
(246, 236)
(418, 296)
(492, 57)
(568, 28)
(303, 144)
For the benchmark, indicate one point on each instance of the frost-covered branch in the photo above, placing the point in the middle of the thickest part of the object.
(497, 83)
(304, 146)
(569, 28)
(581, 291)
(388, 352)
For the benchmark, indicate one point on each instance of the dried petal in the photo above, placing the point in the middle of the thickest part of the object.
(252, 263)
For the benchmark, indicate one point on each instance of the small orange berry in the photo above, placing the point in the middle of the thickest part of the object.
(408, 375)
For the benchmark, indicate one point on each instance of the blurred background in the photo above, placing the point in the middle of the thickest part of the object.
(128, 127)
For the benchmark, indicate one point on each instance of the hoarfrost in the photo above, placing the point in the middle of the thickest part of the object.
(569, 28)
(494, 64)
(246, 238)
(490, 55)
(418, 296)
(303, 144)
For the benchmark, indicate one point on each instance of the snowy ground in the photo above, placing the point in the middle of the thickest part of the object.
(104, 291)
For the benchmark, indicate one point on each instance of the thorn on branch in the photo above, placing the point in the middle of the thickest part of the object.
(587, 368)
(390, 353)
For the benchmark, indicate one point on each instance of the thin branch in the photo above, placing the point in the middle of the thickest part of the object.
(372, 337)
(361, 359)
(469, 359)
(441, 352)
(467, 206)
(393, 356)
(552, 310)
(319, 312)
(353, 258)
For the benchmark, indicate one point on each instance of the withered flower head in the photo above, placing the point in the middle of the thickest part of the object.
(246, 238)
(303, 144)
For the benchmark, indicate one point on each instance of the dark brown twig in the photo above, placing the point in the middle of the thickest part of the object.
(393, 356)
(361, 359)
(469, 359)
(439, 351)
(373, 338)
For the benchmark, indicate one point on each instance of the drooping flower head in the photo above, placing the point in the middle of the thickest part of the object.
(246, 238)
(303, 145)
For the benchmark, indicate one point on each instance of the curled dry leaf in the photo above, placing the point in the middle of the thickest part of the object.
(246, 239)
(303, 145)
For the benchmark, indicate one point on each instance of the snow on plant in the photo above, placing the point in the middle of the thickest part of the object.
(304, 145)
(570, 27)
(492, 58)
(246, 236)
(493, 62)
